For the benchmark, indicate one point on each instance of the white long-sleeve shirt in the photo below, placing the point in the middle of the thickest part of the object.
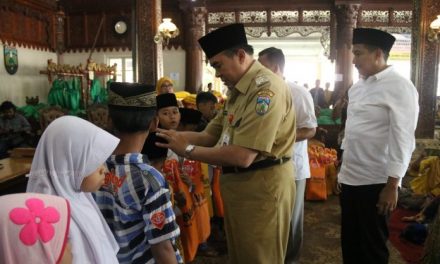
(305, 118)
(379, 133)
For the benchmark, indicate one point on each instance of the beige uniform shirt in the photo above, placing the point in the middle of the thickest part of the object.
(258, 115)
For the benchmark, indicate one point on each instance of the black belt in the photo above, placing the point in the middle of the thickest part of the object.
(255, 166)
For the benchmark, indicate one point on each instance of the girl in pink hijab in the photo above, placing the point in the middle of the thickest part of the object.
(69, 162)
(34, 229)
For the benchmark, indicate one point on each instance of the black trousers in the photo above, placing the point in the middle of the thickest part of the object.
(364, 232)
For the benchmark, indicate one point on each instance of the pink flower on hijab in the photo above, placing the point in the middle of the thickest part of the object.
(37, 221)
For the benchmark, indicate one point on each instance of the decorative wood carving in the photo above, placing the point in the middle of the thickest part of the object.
(425, 65)
(270, 17)
(149, 59)
(346, 15)
(24, 23)
(281, 22)
(385, 17)
(59, 22)
(88, 73)
(196, 17)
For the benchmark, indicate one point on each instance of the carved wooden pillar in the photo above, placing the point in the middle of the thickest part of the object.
(59, 21)
(425, 60)
(195, 21)
(346, 15)
(149, 54)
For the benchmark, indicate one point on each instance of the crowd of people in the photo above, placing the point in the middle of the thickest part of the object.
(145, 193)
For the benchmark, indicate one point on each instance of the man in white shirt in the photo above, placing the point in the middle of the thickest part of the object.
(379, 139)
(273, 59)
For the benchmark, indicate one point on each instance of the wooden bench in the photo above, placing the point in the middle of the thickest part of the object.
(13, 174)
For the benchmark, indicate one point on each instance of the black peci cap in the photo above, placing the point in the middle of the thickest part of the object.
(222, 39)
(373, 37)
(166, 100)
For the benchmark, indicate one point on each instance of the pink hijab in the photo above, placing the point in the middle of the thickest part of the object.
(33, 228)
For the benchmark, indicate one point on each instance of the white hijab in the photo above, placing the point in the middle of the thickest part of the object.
(69, 150)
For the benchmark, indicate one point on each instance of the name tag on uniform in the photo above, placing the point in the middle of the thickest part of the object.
(226, 139)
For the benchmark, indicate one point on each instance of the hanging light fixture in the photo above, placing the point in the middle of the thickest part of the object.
(434, 30)
(166, 31)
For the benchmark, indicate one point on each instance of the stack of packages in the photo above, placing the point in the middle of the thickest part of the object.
(323, 174)
(426, 176)
(181, 95)
(190, 101)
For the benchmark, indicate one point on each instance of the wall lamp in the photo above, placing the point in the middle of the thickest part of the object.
(434, 30)
(166, 31)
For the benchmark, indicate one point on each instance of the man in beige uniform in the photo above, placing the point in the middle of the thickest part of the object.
(252, 139)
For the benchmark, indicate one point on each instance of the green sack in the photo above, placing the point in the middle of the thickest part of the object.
(31, 111)
(99, 94)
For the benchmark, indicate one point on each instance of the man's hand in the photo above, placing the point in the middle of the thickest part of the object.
(176, 142)
(388, 197)
(187, 180)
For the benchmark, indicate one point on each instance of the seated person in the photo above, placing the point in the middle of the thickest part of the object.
(14, 128)
(427, 214)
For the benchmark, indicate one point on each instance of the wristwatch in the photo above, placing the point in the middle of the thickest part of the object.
(189, 149)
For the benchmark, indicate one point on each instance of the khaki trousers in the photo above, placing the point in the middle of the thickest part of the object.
(258, 208)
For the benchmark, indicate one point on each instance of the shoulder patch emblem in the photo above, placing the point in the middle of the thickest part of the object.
(262, 105)
(158, 220)
(261, 80)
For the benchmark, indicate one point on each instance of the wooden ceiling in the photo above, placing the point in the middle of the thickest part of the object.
(32, 22)
(98, 6)
(94, 6)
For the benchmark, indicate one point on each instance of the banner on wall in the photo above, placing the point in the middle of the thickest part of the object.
(11, 59)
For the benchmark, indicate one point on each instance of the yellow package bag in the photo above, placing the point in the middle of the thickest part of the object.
(428, 180)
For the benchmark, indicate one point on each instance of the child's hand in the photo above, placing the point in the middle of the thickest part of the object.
(180, 199)
(419, 218)
(187, 180)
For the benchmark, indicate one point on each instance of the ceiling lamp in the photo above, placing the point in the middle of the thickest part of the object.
(434, 30)
(166, 31)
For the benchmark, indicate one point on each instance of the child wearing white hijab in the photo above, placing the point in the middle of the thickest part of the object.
(69, 162)
(34, 229)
